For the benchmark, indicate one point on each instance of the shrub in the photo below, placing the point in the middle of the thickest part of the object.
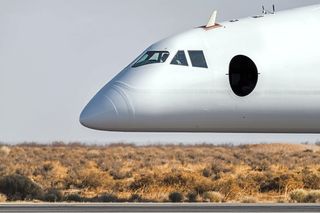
(4, 151)
(215, 170)
(282, 200)
(270, 184)
(119, 175)
(202, 186)
(298, 195)
(91, 181)
(193, 197)
(18, 187)
(3, 198)
(176, 197)
(106, 198)
(249, 200)
(92, 154)
(206, 172)
(53, 195)
(135, 198)
(313, 197)
(214, 197)
(175, 179)
(228, 188)
(49, 198)
(47, 167)
(142, 183)
(311, 180)
(74, 198)
(263, 165)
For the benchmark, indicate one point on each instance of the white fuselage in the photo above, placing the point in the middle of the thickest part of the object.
(162, 97)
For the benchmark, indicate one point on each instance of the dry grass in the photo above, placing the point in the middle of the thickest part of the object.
(3, 198)
(201, 173)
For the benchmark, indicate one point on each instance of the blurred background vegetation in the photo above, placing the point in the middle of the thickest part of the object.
(160, 173)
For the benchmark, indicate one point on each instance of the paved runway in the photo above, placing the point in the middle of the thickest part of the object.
(167, 207)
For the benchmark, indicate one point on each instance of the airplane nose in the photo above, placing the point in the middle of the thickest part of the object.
(100, 114)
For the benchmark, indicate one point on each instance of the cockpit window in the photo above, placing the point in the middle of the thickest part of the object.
(180, 59)
(197, 58)
(152, 57)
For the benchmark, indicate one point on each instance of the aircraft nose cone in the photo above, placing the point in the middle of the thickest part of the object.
(100, 114)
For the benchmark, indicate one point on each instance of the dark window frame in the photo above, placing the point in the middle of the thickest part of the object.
(180, 56)
(198, 59)
(149, 55)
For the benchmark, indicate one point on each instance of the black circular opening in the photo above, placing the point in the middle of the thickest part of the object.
(243, 75)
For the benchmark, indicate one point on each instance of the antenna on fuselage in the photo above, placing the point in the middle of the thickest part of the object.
(266, 12)
(212, 20)
(273, 9)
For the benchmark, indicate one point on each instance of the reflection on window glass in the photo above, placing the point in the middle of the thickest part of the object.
(152, 57)
(180, 59)
(197, 58)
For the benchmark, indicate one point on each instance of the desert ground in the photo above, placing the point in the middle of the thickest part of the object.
(58, 172)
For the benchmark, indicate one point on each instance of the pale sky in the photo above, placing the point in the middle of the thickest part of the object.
(56, 54)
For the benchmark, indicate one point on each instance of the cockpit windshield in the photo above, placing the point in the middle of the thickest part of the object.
(152, 57)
